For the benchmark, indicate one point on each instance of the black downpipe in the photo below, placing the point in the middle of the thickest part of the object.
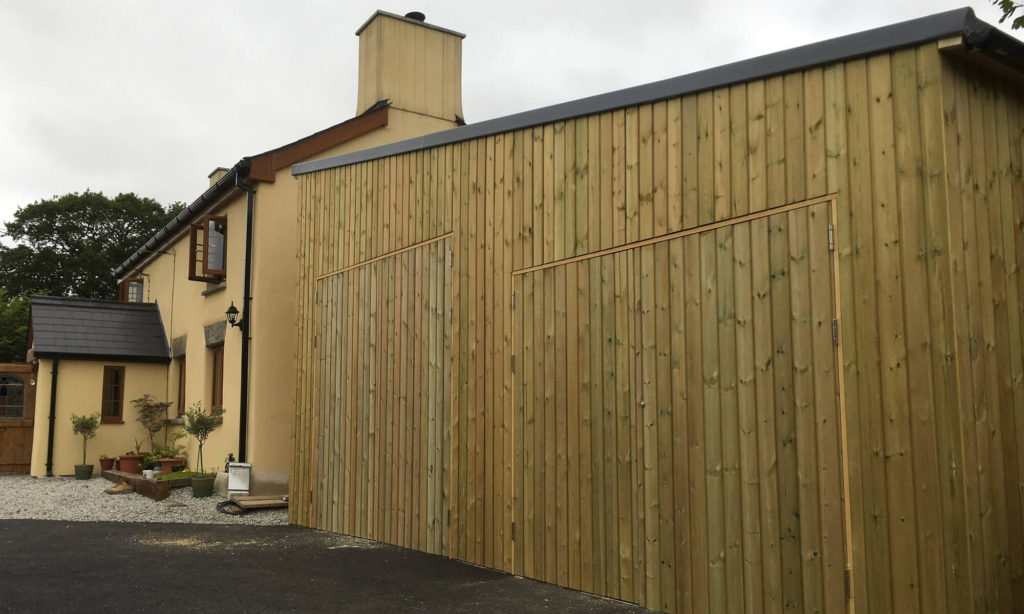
(243, 395)
(53, 418)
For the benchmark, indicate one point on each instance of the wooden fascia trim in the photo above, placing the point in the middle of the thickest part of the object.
(265, 166)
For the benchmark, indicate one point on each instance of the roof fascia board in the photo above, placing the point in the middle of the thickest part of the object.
(265, 165)
(870, 42)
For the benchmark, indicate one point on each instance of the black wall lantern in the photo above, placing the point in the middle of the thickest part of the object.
(232, 314)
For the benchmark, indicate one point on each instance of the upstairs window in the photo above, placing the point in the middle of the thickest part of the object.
(208, 249)
(113, 394)
(131, 290)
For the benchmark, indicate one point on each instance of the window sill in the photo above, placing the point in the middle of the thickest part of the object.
(175, 421)
(111, 421)
(215, 289)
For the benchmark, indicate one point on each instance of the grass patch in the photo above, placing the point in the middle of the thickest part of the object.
(181, 475)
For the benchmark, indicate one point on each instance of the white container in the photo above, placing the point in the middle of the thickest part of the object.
(147, 473)
(238, 478)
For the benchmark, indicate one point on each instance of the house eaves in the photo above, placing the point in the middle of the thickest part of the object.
(261, 167)
(975, 35)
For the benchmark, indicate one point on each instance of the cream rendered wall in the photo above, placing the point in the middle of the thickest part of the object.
(79, 391)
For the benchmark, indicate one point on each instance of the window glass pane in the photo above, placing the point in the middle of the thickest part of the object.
(12, 396)
(215, 235)
(113, 387)
(217, 393)
(134, 291)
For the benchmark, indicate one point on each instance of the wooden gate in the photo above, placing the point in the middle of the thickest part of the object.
(677, 425)
(381, 455)
(17, 412)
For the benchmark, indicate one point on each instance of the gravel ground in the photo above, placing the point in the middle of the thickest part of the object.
(62, 498)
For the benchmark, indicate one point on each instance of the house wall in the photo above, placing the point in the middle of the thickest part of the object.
(734, 495)
(80, 391)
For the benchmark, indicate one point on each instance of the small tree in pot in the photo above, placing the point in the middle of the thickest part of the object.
(152, 415)
(86, 426)
(199, 425)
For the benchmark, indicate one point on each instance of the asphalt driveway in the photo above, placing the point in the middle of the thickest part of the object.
(48, 566)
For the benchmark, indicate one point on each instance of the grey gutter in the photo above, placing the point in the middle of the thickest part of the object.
(887, 38)
(187, 215)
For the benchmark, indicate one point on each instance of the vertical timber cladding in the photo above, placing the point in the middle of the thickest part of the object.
(383, 400)
(677, 420)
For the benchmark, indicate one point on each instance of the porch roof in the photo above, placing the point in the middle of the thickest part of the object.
(88, 329)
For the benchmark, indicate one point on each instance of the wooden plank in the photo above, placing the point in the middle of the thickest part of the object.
(705, 158)
(775, 142)
(645, 162)
(712, 409)
(690, 127)
(561, 437)
(648, 499)
(806, 478)
(864, 400)
(899, 472)
(589, 477)
(556, 206)
(548, 436)
(665, 408)
(796, 178)
(739, 202)
(747, 435)
(573, 460)
(722, 208)
(632, 173)
(674, 166)
(660, 167)
(906, 110)
(699, 476)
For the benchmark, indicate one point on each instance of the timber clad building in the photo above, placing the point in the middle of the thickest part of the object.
(746, 339)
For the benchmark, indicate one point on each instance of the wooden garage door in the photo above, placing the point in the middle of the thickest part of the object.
(677, 422)
(381, 428)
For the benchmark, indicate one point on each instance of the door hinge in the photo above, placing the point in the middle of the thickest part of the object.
(513, 300)
(831, 238)
(835, 332)
(846, 583)
(451, 258)
(316, 297)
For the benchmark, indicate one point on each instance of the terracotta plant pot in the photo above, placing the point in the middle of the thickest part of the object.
(106, 464)
(131, 463)
(167, 465)
(83, 472)
(202, 487)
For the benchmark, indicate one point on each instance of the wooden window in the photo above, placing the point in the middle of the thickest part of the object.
(131, 290)
(113, 394)
(208, 239)
(181, 387)
(217, 389)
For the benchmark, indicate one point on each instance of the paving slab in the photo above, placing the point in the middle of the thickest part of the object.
(48, 565)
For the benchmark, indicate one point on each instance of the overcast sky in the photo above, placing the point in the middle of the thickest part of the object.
(149, 96)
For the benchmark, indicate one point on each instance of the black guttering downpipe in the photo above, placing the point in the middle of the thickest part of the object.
(53, 418)
(243, 395)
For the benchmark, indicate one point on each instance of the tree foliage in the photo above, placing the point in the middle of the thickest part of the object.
(13, 327)
(69, 245)
(1009, 7)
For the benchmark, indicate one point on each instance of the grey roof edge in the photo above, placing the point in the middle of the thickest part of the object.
(424, 24)
(977, 34)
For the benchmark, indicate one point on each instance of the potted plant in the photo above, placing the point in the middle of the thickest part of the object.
(86, 426)
(173, 455)
(152, 415)
(106, 462)
(131, 462)
(199, 425)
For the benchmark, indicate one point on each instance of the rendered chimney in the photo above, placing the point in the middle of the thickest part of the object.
(217, 173)
(414, 65)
